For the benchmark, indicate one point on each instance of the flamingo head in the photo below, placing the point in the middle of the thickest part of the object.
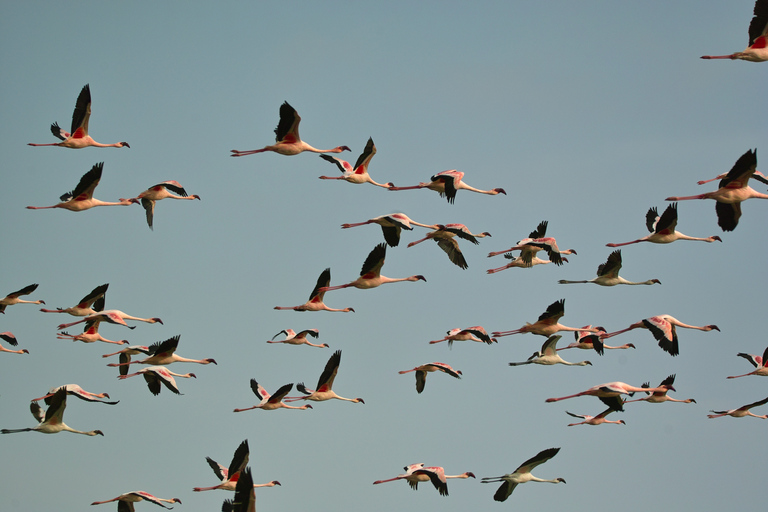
(459, 372)
(691, 400)
(500, 191)
(420, 278)
(195, 196)
(485, 233)
(622, 422)
(24, 351)
(560, 479)
(655, 281)
(176, 500)
(211, 360)
(97, 433)
(715, 237)
(711, 327)
(194, 377)
(275, 482)
(470, 474)
(325, 345)
(349, 310)
(390, 184)
(105, 395)
(126, 145)
(630, 345)
(359, 400)
(156, 320)
(306, 406)
(124, 342)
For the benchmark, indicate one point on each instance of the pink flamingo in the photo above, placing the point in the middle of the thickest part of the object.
(595, 420)
(157, 375)
(126, 353)
(547, 324)
(11, 339)
(85, 306)
(300, 338)
(608, 273)
(324, 389)
(757, 361)
(519, 262)
(164, 190)
(245, 497)
(539, 232)
(79, 137)
(359, 173)
(81, 198)
(663, 229)
(613, 390)
(271, 402)
(475, 333)
(163, 353)
(112, 316)
(315, 302)
(421, 373)
(444, 235)
(548, 355)
(287, 137)
(757, 50)
(659, 397)
(76, 391)
(90, 334)
(741, 411)
(13, 298)
(536, 242)
(522, 475)
(370, 275)
(416, 473)
(663, 328)
(127, 500)
(733, 189)
(447, 183)
(391, 226)
(51, 421)
(588, 340)
(230, 476)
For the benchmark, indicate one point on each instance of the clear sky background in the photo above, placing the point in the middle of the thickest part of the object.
(587, 113)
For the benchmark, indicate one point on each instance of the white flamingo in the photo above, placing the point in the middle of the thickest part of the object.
(126, 500)
(52, 420)
(595, 420)
(547, 324)
(370, 274)
(157, 376)
(608, 273)
(447, 183)
(548, 355)
(271, 402)
(13, 298)
(659, 397)
(85, 306)
(164, 190)
(9, 337)
(81, 198)
(757, 361)
(324, 390)
(416, 473)
(664, 329)
(741, 411)
(522, 475)
(663, 229)
(359, 173)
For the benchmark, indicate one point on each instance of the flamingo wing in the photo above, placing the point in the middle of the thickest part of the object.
(375, 260)
(540, 231)
(741, 171)
(611, 266)
(239, 460)
(668, 221)
(728, 215)
(259, 390)
(325, 382)
(82, 113)
(451, 247)
(280, 394)
(758, 27)
(323, 281)
(421, 380)
(165, 348)
(665, 333)
(365, 157)
(288, 128)
(554, 312)
(89, 299)
(87, 184)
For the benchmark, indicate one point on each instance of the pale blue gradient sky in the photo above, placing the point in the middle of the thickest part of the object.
(586, 113)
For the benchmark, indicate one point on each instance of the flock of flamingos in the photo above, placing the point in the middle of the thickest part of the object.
(732, 190)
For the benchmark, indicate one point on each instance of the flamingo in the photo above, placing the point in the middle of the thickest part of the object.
(522, 475)
(447, 183)
(587, 340)
(51, 421)
(608, 273)
(475, 333)
(77, 391)
(757, 175)
(661, 396)
(85, 306)
(156, 375)
(112, 316)
(391, 226)
(595, 420)
(536, 242)
(757, 361)
(126, 353)
(126, 501)
(421, 373)
(416, 473)
(315, 302)
(292, 338)
(757, 50)
(81, 198)
(13, 298)
(230, 476)
(370, 275)
(663, 328)
(539, 232)
(548, 355)
(444, 235)
(271, 402)
(79, 137)
(359, 173)
(613, 390)
(245, 497)
(663, 229)
(91, 330)
(519, 262)
(733, 189)
(164, 352)
(741, 411)
(164, 190)
(287, 137)
(324, 389)
(11, 339)
(547, 324)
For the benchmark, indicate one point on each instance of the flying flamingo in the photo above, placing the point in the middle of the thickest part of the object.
(741, 411)
(522, 475)
(536, 242)
(539, 232)
(548, 355)
(90, 334)
(324, 389)
(163, 353)
(594, 420)
(164, 190)
(79, 137)
(613, 390)
(245, 497)
(416, 473)
(757, 175)
(51, 421)
(370, 275)
(315, 302)
(447, 183)
(587, 340)
(13, 298)
(519, 262)
(608, 273)
(126, 353)
(663, 328)
(757, 361)
(112, 316)
(77, 391)
(300, 338)
(287, 137)
(391, 226)
(157, 375)
(547, 324)
(421, 373)
(757, 50)
(733, 189)
(11, 339)
(230, 476)
(81, 198)
(271, 402)
(663, 229)
(359, 173)
(444, 235)
(85, 306)
(659, 397)
(475, 333)
(129, 498)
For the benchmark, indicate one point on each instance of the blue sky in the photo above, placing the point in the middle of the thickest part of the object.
(586, 114)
